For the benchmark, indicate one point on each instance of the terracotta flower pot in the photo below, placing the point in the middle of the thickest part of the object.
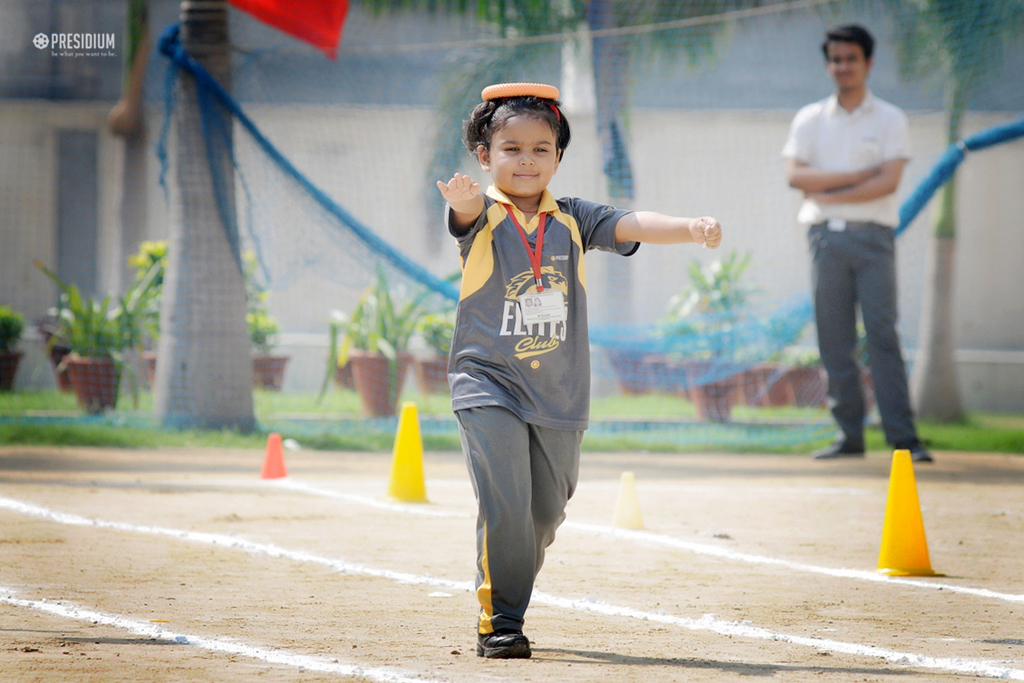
(378, 389)
(343, 376)
(60, 373)
(95, 381)
(56, 352)
(667, 374)
(810, 386)
(712, 390)
(766, 385)
(633, 374)
(268, 371)
(8, 369)
(432, 374)
(714, 401)
(149, 362)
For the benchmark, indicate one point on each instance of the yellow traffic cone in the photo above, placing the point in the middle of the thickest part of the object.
(627, 505)
(407, 460)
(904, 548)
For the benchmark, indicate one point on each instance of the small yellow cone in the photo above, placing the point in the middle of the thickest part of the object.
(406, 483)
(627, 505)
(904, 548)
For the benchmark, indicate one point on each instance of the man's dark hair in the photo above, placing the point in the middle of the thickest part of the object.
(850, 33)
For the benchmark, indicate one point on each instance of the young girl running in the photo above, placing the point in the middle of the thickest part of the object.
(519, 368)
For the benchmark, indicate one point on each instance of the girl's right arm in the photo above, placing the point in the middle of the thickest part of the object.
(657, 228)
(464, 198)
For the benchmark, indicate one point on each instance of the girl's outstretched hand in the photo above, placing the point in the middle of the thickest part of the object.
(461, 188)
(707, 231)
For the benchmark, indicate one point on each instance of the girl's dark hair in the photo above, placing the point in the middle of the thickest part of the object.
(491, 116)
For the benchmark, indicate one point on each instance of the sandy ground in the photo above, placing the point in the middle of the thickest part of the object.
(183, 565)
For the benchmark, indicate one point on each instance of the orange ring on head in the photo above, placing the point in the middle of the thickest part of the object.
(493, 92)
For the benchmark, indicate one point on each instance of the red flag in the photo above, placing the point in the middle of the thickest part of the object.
(317, 22)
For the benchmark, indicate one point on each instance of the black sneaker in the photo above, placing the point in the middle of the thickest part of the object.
(503, 644)
(843, 448)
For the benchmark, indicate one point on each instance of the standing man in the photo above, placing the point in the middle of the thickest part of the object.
(847, 153)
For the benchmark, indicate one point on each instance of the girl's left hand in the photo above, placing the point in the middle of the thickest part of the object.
(707, 231)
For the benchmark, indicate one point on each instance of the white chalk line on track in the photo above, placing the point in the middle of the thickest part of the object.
(706, 623)
(369, 501)
(726, 554)
(225, 645)
(650, 538)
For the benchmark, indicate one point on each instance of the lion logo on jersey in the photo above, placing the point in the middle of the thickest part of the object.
(524, 283)
(541, 338)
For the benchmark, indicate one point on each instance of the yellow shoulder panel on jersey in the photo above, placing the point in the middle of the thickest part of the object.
(574, 230)
(479, 263)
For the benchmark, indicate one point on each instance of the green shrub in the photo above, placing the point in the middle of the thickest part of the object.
(11, 326)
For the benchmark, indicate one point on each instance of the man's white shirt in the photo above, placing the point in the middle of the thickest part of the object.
(827, 137)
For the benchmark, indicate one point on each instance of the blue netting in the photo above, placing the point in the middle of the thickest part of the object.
(729, 348)
(170, 46)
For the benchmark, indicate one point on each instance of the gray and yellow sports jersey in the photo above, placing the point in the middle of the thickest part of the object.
(540, 372)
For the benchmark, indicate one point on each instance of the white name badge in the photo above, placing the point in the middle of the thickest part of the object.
(542, 307)
(836, 224)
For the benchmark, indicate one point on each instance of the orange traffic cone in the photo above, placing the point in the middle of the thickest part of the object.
(904, 548)
(273, 464)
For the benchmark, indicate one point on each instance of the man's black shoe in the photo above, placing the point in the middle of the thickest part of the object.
(503, 644)
(844, 448)
(918, 453)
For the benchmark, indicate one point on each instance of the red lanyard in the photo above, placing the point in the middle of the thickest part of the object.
(534, 254)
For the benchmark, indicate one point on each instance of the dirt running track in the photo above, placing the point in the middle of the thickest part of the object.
(182, 565)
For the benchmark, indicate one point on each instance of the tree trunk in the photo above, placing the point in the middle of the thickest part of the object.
(934, 385)
(204, 370)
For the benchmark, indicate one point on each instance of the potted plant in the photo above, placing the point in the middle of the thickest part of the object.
(12, 324)
(437, 330)
(98, 332)
(374, 340)
(56, 348)
(636, 371)
(808, 381)
(267, 368)
(709, 314)
(803, 376)
(338, 366)
(765, 384)
(151, 253)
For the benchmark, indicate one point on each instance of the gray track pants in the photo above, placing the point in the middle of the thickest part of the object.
(523, 476)
(858, 265)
